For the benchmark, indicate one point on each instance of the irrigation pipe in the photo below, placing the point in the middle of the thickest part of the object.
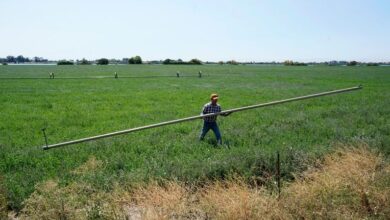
(47, 147)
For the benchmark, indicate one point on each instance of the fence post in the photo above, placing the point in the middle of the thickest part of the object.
(278, 171)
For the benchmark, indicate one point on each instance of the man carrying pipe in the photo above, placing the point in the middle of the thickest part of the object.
(211, 121)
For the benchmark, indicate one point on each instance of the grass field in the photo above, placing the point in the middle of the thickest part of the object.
(77, 104)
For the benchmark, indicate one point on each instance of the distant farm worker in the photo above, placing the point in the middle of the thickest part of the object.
(116, 75)
(178, 74)
(51, 75)
(200, 74)
(211, 121)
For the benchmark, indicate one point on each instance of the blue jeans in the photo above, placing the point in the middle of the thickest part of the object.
(213, 126)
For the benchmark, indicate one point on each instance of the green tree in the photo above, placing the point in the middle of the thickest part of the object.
(352, 63)
(168, 61)
(195, 61)
(11, 59)
(135, 60)
(20, 59)
(102, 61)
(232, 62)
(65, 62)
(84, 62)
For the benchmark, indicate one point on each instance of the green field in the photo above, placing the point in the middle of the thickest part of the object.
(77, 104)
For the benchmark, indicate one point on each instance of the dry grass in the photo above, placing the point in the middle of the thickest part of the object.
(344, 187)
(352, 183)
(169, 201)
(90, 166)
(76, 201)
(236, 200)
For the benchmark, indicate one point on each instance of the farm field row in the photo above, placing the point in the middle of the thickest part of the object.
(76, 108)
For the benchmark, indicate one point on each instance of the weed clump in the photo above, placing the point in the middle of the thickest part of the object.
(166, 201)
(237, 200)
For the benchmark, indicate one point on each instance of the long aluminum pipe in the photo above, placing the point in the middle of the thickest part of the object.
(200, 116)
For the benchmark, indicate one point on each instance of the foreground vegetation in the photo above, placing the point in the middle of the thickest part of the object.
(351, 183)
(80, 103)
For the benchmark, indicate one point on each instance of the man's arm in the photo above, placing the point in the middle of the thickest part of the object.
(226, 114)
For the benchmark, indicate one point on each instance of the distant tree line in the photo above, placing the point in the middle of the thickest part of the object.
(138, 60)
(102, 61)
(65, 62)
(181, 62)
(292, 63)
(71, 62)
(352, 63)
(84, 62)
(232, 62)
(22, 59)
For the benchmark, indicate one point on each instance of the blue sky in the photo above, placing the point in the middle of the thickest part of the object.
(243, 30)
